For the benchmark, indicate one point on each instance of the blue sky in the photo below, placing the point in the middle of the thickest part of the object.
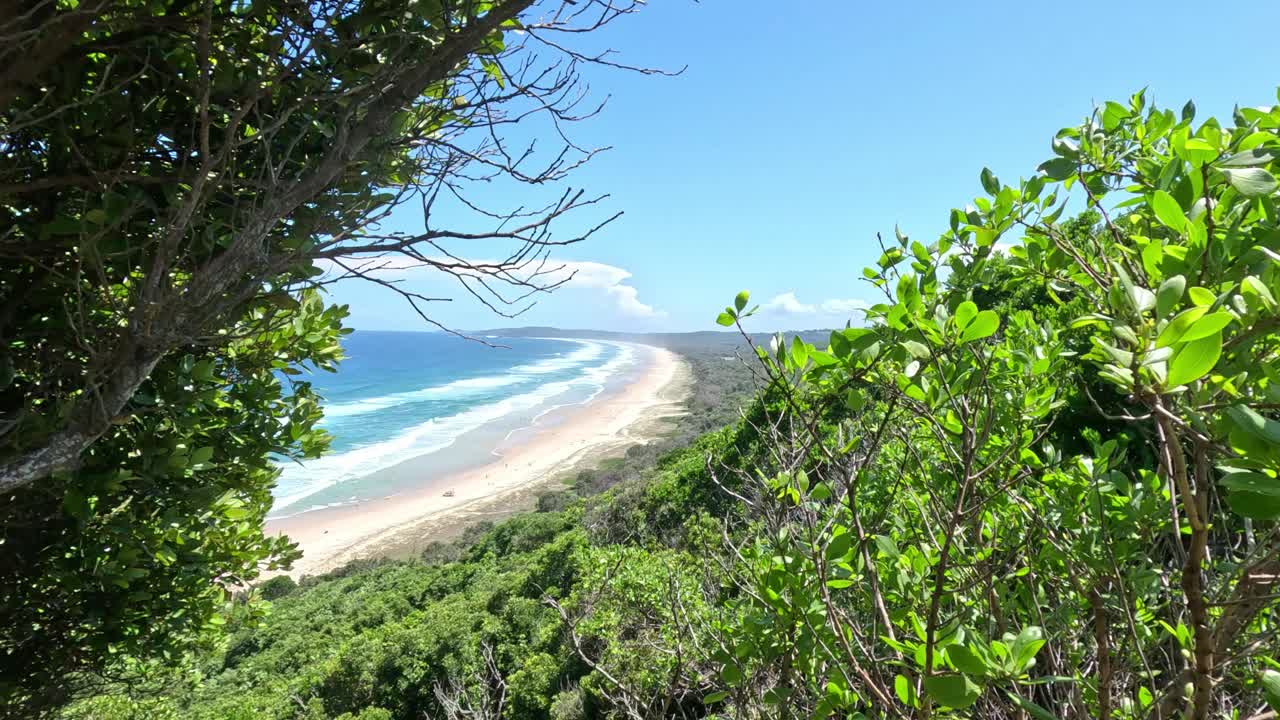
(800, 130)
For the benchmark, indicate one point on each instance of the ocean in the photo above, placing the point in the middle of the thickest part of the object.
(445, 403)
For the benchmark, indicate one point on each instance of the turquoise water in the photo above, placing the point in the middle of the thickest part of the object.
(447, 402)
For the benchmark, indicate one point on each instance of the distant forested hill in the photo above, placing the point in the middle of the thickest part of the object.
(699, 342)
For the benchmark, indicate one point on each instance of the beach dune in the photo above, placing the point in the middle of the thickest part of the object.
(616, 418)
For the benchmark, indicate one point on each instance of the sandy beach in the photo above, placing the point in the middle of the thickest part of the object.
(619, 417)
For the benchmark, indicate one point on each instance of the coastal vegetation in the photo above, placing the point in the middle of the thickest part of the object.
(1038, 482)
(179, 182)
(1037, 479)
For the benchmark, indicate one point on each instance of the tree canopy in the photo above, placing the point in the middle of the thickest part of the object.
(179, 181)
(1041, 480)
(940, 541)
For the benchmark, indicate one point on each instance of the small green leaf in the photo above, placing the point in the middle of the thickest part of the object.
(1194, 360)
(1141, 298)
(740, 301)
(966, 661)
(905, 691)
(1113, 114)
(888, 546)
(839, 345)
(1246, 418)
(1254, 505)
(1058, 168)
(1258, 293)
(494, 70)
(965, 314)
(1179, 326)
(725, 319)
(920, 251)
(1125, 333)
(1033, 709)
(839, 546)
(1120, 357)
(1199, 151)
(1167, 210)
(1170, 294)
(1144, 697)
(1025, 647)
(990, 182)
(917, 349)
(1202, 296)
(201, 455)
(1206, 326)
(799, 351)
(855, 399)
(1091, 320)
(1271, 688)
(984, 325)
(915, 392)
(1252, 482)
(715, 697)
(1066, 147)
(954, 691)
(1251, 182)
(1257, 157)
(203, 370)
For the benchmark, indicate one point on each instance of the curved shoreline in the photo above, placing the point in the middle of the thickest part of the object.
(331, 537)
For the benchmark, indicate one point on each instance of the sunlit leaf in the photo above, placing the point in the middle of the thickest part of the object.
(1194, 360)
(1251, 182)
(1167, 210)
(984, 325)
(1179, 326)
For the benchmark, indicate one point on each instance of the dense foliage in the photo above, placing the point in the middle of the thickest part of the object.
(472, 634)
(945, 544)
(1041, 482)
(131, 556)
(178, 182)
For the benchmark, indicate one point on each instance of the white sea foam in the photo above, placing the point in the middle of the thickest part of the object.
(589, 351)
(456, 388)
(597, 377)
(469, 386)
(301, 481)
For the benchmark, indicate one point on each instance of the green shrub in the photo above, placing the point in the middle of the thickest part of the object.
(567, 705)
(277, 587)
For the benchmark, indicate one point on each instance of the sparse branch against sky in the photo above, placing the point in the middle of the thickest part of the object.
(787, 144)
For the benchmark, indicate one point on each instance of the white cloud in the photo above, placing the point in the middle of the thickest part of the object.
(844, 307)
(788, 304)
(609, 278)
(582, 274)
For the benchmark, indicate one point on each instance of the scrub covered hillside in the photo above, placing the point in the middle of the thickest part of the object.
(1041, 482)
(468, 627)
(181, 184)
